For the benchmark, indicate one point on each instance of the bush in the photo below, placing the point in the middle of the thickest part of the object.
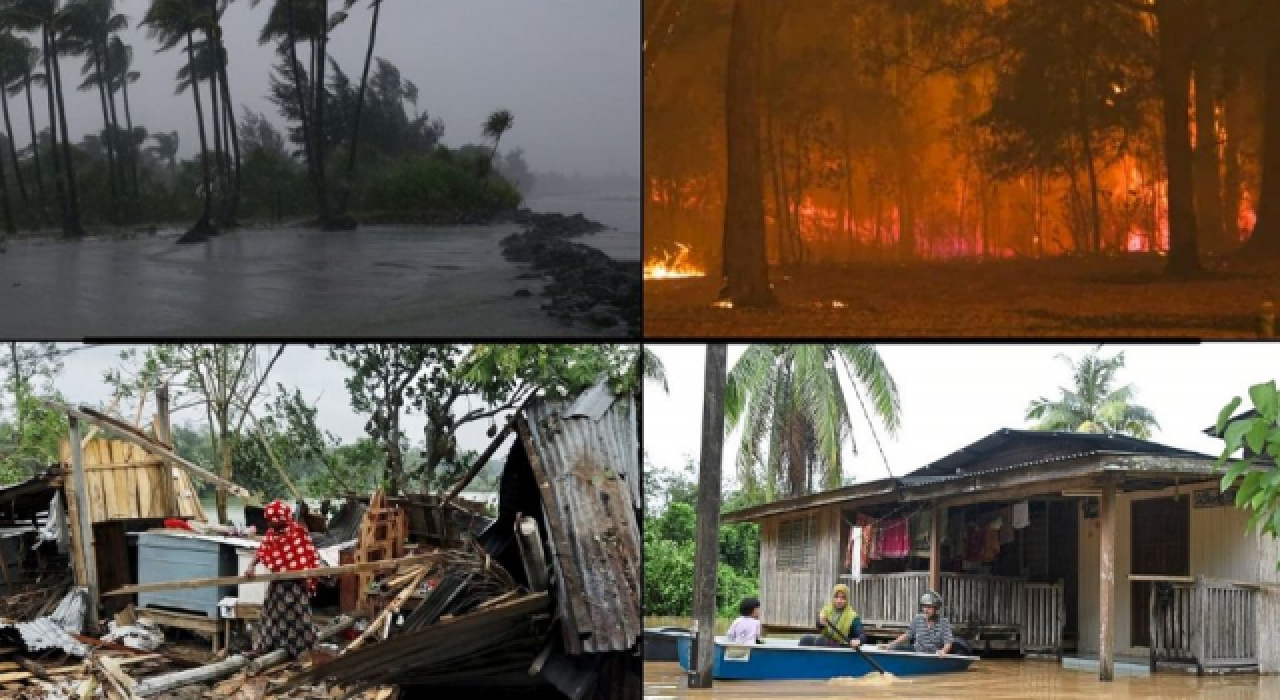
(440, 182)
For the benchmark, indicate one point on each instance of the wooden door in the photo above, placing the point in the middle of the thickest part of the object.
(1160, 545)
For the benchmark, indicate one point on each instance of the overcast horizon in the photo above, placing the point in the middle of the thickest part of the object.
(953, 395)
(568, 70)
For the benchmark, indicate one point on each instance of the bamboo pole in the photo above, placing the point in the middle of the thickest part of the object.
(1106, 593)
(378, 622)
(281, 576)
(935, 549)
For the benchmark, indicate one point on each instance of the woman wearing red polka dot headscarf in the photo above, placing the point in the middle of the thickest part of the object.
(286, 612)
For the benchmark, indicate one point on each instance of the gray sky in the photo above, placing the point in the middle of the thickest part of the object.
(953, 395)
(319, 379)
(569, 70)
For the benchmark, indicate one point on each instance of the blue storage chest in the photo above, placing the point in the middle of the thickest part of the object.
(168, 557)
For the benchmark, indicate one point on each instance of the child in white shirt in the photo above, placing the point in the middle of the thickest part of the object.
(746, 629)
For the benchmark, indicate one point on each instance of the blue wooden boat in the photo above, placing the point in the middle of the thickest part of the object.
(786, 660)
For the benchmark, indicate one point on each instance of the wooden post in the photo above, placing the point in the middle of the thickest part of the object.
(1106, 593)
(935, 548)
(164, 435)
(86, 522)
(707, 545)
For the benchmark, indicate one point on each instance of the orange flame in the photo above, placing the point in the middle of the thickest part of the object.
(673, 266)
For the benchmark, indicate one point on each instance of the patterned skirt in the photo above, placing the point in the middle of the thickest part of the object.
(286, 619)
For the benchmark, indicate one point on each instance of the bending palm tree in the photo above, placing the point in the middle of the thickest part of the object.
(166, 149)
(48, 17)
(13, 60)
(120, 58)
(348, 182)
(172, 21)
(794, 414)
(498, 123)
(1093, 405)
(88, 25)
(28, 64)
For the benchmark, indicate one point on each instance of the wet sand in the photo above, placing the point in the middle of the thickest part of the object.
(988, 679)
(1121, 297)
(379, 280)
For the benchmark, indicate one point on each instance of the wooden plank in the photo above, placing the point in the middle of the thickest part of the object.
(282, 576)
(1106, 567)
(86, 530)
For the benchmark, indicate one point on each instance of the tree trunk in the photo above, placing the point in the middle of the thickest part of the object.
(219, 161)
(307, 127)
(745, 265)
(73, 198)
(58, 180)
(232, 127)
(348, 183)
(13, 148)
(107, 143)
(203, 225)
(121, 158)
(1208, 170)
(322, 170)
(224, 470)
(1233, 179)
(133, 146)
(1265, 241)
(35, 149)
(1175, 82)
(707, 542)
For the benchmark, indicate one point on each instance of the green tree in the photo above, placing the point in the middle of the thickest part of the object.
(348, 181)
(18, 78)
(1094, 404)
(29, 436)
(1257, 472)
(14, 55)
(120, 61)
(224, 379)
(795, 417)
(88, 26)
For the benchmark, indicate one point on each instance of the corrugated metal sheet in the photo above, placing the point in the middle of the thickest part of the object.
(586, 460)
(41, 634)
(69, 615)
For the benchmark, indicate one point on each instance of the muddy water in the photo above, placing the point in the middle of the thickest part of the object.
(383, 280)
(989, 679)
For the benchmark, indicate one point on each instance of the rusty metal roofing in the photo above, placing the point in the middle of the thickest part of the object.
(585, 457)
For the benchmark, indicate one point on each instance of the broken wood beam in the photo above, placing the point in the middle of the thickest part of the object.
(128, 433)
(483, 459)
(282, 576)
(391, 609)
(279, 656)
(209, 672)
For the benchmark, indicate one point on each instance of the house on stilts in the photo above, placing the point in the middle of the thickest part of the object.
(1087, 547)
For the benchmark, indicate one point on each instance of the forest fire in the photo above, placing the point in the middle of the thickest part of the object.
(673, 266)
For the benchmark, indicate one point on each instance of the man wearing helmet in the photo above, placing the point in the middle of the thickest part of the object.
(930, 632)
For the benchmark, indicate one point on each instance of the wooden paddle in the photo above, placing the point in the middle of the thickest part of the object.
(840, 638)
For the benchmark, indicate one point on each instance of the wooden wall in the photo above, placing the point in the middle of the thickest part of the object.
(125, 482)
(792, 598)
(1220, 548)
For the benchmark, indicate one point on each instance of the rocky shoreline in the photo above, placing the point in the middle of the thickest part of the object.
(586, 285)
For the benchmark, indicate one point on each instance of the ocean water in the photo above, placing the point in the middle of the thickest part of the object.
(620, 211)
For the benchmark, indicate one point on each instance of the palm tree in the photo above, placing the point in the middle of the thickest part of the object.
(213, 36)
(289, 22)
(170, 22)
(13, 60)
(120, 58)
(88, 25)
(348, 182)
(498, 123)
(794, 415)
(651, 366)
(1094, 404)
(166, 149)
(48, 18)
(27, 64)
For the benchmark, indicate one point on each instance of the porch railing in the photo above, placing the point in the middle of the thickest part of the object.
(1209, 623)
(1036, 611)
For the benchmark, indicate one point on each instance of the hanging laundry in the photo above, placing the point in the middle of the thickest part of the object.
(1021, 514)
(991, 546)
(867, 526)
(896, 538)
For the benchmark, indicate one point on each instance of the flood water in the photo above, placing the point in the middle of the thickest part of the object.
(385, 280)
(988, 679)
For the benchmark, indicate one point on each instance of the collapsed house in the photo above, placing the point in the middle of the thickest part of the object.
(544, 599)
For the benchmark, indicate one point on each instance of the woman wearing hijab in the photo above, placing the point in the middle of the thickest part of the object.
(838, 623)
(286, 612)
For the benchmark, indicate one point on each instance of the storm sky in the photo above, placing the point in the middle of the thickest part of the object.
(569, 70)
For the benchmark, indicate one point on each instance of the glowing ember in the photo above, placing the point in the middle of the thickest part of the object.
(722, 304)
(673, 266)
